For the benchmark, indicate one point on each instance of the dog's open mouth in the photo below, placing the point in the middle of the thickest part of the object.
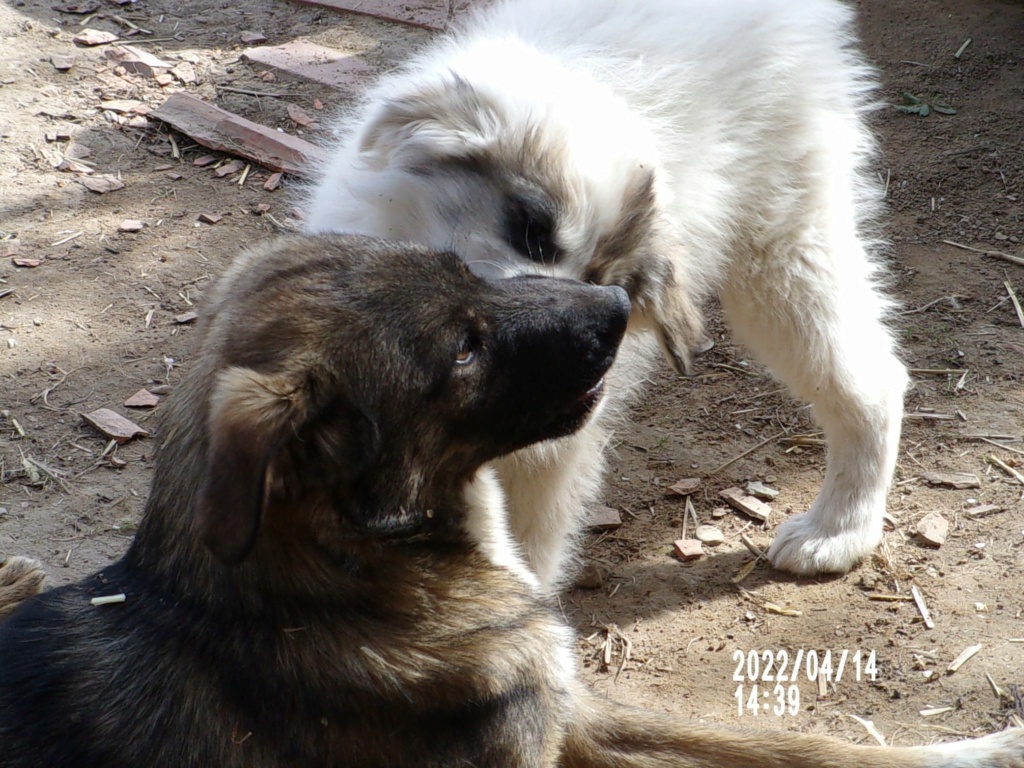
(592, 396)
(585, 404)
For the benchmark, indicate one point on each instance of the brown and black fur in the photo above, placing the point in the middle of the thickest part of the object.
(308, 586)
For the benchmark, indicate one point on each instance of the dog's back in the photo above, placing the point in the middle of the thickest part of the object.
(159, 681)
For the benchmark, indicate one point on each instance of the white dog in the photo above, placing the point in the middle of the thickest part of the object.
(678, 148)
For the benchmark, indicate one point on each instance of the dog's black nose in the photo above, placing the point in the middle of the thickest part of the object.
(620, 309)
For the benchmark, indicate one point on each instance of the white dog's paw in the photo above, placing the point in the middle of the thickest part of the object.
(804, 546)
(998, 750)
(20, 579)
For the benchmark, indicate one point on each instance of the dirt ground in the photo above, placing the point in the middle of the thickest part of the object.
(95, 321)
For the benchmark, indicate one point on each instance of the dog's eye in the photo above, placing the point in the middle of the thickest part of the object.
(530, 223)
(466, 355)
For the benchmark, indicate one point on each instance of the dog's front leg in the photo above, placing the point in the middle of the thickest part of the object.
(606, 735)
(814, 316)
(549, 487)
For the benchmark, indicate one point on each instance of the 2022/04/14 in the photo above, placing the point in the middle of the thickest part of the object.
(756, 671)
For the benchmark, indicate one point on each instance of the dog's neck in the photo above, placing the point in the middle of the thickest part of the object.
(301, 549)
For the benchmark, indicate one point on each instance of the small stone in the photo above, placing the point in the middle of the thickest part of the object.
(142, 399)
(205, 160)
(94, 37)
(187, 317)
(719, 512)
(686, 486)
(62, 63)
(869, 579)
(125, 106)
(113, 425)
(760, 490)
(101, 184)
(603, 518)
(932, 529)
(130, 225)
(209, 218)
(688, 549)
(591, 576)
(251, 38)
(273, 182)
(983, 510)
(233, 166)
(957, 480)
(710, 535)
(748, 505)
(185, 72)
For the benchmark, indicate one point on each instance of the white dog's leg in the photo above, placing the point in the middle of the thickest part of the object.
(549, 487)
(815, 317)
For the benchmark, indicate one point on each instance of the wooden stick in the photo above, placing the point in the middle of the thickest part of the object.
(963, 658)
(747, 452)
(804, 440)
(872, 730)
(1004, 447)
(921, 607)
(749, 544)
(1007, 469)
(999, 692)
(890, 598)
(109, 599)
(994, 254)
(932, 711)
(1016, 302)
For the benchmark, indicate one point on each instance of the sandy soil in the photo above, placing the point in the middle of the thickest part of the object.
(95, 321)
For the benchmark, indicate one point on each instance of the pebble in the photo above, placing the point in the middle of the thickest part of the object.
(591, 576)
(710, 535)
(932, 529)
(688, 549)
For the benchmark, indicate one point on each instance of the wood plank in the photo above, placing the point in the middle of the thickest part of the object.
(218, 129)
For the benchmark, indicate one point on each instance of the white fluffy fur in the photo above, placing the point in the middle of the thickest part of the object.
(751, 114)
(487, 522)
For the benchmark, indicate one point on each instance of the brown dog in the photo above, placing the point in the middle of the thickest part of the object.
(324, 574)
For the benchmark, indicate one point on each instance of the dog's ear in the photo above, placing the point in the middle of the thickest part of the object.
(643, 255)
(250, 415)
(431, 122)
(675, 320)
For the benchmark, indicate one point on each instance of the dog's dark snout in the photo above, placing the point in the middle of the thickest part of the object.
(618, 316)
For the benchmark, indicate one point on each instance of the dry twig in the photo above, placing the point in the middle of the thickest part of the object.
(921, 607)
(994, 254)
